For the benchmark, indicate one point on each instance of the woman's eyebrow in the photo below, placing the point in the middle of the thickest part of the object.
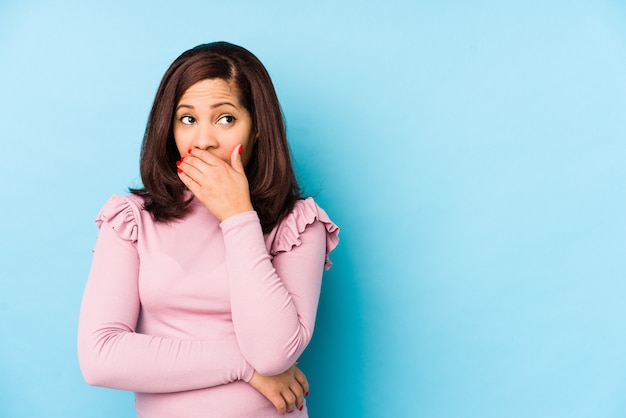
(214, 105)
(180, 106)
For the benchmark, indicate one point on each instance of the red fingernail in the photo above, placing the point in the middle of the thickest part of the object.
(301, 407)
(306, 393)
(179, 170)
(189, 151)
(179, 162)
(240, 149)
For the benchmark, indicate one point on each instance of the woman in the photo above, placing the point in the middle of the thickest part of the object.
(204, 283)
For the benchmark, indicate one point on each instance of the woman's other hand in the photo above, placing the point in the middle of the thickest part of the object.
(285, 391)
(221, 187)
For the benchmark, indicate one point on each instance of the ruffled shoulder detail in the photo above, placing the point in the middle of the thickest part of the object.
(286, 235)
(118, 214)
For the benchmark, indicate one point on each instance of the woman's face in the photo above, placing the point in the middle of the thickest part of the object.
(209, 116)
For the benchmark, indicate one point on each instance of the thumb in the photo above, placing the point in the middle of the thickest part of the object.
(235, 159)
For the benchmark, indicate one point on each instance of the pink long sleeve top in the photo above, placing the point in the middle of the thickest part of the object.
(183, 312)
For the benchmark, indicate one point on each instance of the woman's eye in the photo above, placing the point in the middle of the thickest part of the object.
(226, 120)
(187, 120)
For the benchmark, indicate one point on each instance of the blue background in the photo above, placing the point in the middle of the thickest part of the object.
(472, 152)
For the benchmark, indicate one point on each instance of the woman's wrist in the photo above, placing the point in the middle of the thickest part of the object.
(234, 212)
(241, 218)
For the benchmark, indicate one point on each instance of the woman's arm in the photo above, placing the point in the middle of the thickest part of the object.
(273, 302)
(273, 305)
(111, 354)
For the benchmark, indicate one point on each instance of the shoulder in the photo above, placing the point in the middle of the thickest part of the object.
(122, 214)
(306, 213)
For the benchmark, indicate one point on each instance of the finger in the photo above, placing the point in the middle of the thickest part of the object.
(191, 175)
(301, 378)
(203, 159)
(200, 164)
(279, 404)
(235, 159)
(296, 386)
(290, 400)
(298, 394)
(187, 180)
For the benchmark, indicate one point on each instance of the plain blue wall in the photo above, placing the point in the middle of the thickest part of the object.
(472, 152)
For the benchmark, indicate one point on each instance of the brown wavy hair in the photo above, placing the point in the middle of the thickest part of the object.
(273, 186)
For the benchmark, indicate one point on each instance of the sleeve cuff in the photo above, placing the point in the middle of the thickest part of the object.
(238, 220)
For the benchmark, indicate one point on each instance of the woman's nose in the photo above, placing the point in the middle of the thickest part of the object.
(205, 139)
